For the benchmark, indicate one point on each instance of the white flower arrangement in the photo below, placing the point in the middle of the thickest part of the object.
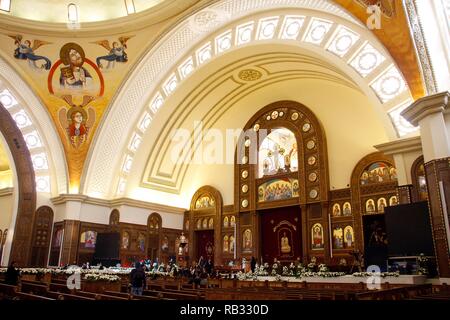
(376, 274)
(323, 268)
(101, 277)
(285, 271)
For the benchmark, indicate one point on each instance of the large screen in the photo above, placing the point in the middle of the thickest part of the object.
(408, 230)
(107, 246)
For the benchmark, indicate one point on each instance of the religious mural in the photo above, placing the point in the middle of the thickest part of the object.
(232, 221)
(336, 210)
(278, 189)
(125, 240)
(338, 238)
(377, 173)
(55, 69)
(88, 238)
(141, 242)
(77, 120)
(225, 244)
(393, 201)
(225, 222)
(205, 202)
(247, 240)
(370, 206)
(116, 52)
(278, 153)
(347, 209)
(349, 237)
(317, 240)
(25, 51)
(232, 244)
(381, 204)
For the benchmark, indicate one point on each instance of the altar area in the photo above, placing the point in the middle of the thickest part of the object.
(347, 279)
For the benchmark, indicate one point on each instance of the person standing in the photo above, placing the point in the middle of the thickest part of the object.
(12, 274)
(253, 264)
(137, 280)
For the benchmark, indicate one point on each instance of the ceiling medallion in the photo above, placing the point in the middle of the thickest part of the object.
(387, 6)
(249, 75)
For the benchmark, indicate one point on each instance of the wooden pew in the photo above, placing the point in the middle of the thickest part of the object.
(29, 296)
(56, 287)
(34, 288)
(64, 296)
(172, 295)
(7, 291)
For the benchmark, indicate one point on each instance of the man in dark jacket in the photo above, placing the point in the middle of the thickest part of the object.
(137, 280)
(12, 274)
(253, 264)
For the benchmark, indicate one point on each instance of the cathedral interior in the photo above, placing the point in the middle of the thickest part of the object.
(232, 131)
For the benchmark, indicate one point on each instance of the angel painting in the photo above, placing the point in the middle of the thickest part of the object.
(77, 121)
(25, 51)
(116, 52)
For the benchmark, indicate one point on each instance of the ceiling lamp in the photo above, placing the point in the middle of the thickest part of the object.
(72, 16)
(129, 4)
(5, 5)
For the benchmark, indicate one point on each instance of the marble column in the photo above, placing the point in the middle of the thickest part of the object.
(432, 114)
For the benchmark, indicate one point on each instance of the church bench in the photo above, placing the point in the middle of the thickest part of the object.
(65, 296)
(60, 288)
(34, 288)
(124, 295)
(99, 296)
(405, 292)
(29, 296)
(7, 290)
(172, 295)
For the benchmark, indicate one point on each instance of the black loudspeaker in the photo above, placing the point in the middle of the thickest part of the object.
(107, 249)
(409, 230)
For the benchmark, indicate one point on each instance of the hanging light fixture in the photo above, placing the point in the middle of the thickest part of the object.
(129, 4)
(5, 5)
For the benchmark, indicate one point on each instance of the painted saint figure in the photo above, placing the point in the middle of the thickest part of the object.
(73, 74)
(285, 247)
(317, 236)
(25, 51)
(347, 209)
(77, 121)
(116, 53)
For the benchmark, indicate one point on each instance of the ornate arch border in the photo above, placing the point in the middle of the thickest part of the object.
(40, 123)
(161, 72)
(356, 193)
(20, 250)
(286, 111)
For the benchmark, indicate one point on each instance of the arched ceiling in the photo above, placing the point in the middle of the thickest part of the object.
(178, 24)
(227, 97)
(88, 11)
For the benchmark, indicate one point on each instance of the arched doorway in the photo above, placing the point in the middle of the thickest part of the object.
(373, 188)
(18, 243)
(282, 185)
(154, 228)
(205, 232)
(41, 236)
